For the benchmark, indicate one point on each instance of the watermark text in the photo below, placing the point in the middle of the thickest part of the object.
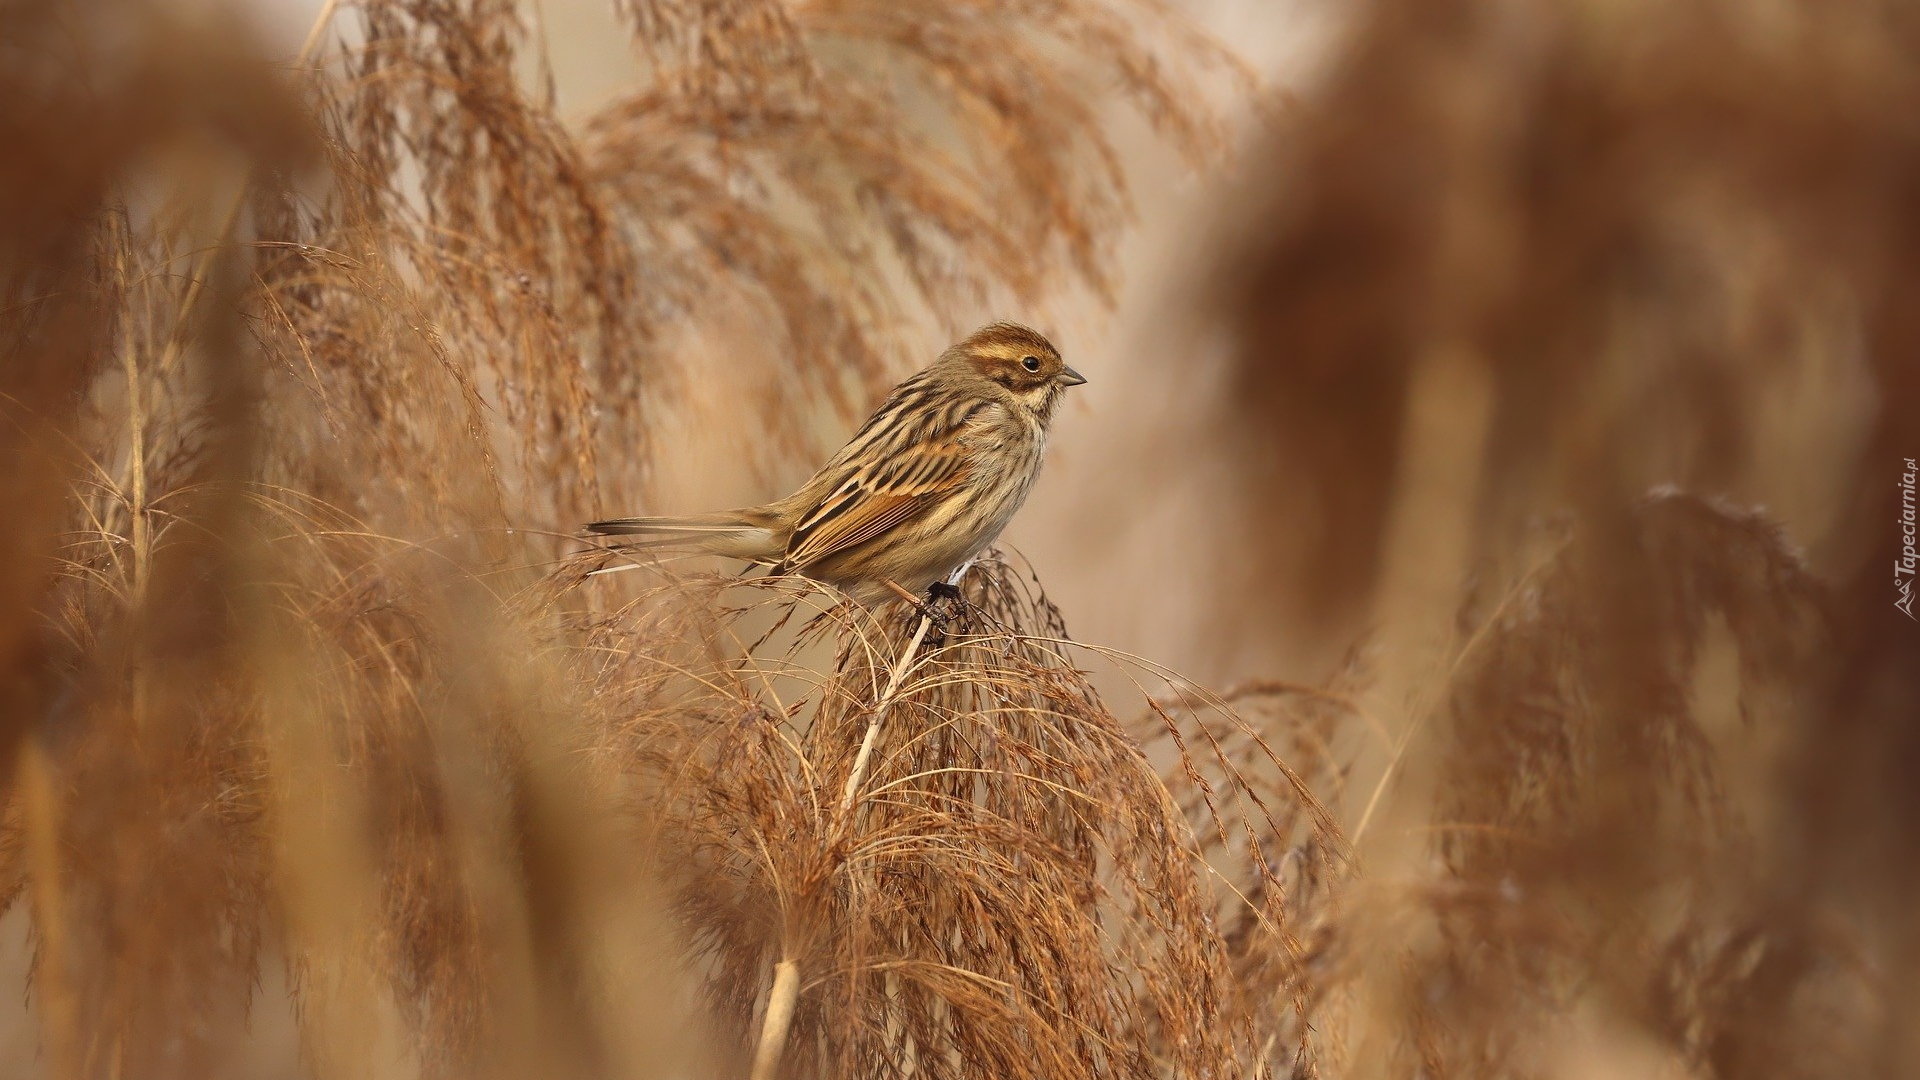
(1904, 566)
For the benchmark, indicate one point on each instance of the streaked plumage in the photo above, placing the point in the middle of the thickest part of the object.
(928, 482)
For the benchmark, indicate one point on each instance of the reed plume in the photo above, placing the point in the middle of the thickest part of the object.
(1572, 347)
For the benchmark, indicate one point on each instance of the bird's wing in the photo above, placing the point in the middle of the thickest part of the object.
(881, 494)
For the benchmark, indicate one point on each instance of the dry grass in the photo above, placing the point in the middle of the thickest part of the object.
(299, 374)
(1639, 811)
(1006, 888)
(291, 691)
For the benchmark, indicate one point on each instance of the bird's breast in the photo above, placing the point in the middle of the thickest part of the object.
(1006, 446)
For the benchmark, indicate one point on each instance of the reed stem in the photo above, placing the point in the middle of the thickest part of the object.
(59, 1009)
(786, 974)
(773, 1030)
(894, 678)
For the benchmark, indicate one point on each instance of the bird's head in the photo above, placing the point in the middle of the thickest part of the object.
(1020, 360)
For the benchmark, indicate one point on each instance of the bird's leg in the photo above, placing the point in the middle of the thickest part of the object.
(926, 610)
(948, 593)
(934, 609)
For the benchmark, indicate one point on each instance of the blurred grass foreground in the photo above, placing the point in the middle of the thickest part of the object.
(1567, 378)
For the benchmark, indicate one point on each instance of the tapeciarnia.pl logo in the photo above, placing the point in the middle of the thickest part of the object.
(1903, 567)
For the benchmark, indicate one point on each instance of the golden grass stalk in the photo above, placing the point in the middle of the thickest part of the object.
(41, 806)
(894, 677)
(781, 998)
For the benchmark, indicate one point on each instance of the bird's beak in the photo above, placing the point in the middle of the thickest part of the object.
(1070, 377)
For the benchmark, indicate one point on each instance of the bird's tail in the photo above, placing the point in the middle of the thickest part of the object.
(737, 534)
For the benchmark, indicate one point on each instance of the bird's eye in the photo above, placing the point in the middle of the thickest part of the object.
(1031, 363)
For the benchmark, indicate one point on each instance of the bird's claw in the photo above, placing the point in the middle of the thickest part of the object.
(943, 605)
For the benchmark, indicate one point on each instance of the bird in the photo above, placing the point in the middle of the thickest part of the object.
(924, 486)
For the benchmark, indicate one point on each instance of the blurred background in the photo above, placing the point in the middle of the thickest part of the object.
(1492, 495)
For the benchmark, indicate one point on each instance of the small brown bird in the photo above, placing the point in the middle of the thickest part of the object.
(924, 486)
